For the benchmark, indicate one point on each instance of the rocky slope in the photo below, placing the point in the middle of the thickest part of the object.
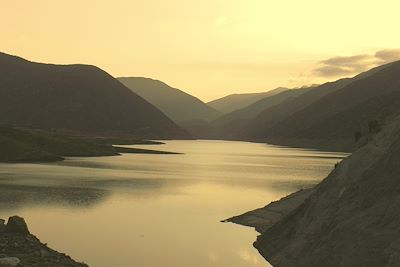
(20, 248)
(350, 219)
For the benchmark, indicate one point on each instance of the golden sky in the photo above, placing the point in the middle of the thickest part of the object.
(208, 48)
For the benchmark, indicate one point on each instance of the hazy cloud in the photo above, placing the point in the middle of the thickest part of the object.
(350, 65)
(388, 55)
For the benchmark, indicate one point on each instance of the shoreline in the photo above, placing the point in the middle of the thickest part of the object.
(18, 247)
(262, 219)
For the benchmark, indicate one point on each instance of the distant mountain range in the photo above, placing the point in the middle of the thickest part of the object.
(79, 99)
(234, 123)
(84, 100)
(332, 116)
(181, 107)
(234, 102)
(329, 116)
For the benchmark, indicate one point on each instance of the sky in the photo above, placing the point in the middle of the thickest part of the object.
(208, 48)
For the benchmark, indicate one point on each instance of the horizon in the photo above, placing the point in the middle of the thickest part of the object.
(229, 47)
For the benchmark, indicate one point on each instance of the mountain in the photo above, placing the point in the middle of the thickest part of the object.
(266, 119)
(80, 99)
(231, 124)
(234, 102)
(350, 219)
(181, 107)
(332, 121)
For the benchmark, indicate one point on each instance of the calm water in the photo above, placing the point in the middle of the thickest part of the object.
(158, 210)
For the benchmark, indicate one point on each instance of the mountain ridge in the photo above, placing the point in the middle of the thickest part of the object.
(178, 105)
(60, 97)
(232, 102)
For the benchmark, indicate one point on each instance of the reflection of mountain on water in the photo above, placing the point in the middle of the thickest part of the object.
(81, 193)
(13, 197)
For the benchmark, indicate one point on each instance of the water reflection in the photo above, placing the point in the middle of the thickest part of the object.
(15, 197)
(158, 210)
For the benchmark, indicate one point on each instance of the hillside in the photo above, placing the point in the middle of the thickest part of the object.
(232, 124)
(332, 121)
(350, 219)
(234, 102)
(76, 98)
(176, 104)
(266, 120)
(283, 124)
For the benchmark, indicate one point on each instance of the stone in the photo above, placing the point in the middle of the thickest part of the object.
(9, 262)
(2, 225)
(18, 225)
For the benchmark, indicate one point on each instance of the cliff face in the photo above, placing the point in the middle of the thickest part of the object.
(350, 219)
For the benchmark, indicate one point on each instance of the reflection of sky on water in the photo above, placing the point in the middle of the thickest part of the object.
(166, 205)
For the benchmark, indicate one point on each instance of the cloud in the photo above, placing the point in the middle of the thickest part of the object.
(351, 65)
(388, 55)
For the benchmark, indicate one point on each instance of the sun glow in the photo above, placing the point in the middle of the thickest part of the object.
(208, 48)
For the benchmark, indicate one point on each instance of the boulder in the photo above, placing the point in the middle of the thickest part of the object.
(9, 262)
(18, 225)
(2, 225)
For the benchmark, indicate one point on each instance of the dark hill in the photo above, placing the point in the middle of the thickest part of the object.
(332, 121)
(234, 102)
(176, 104)
(76, 98)
(231, 124)
(272, 115)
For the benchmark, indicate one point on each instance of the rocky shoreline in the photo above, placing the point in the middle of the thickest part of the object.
(264, 218)
(20, 248)
(350, 219)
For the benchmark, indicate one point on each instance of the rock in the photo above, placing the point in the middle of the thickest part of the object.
(21, 249)
(9, 262)
(18, 225)
(2, 225)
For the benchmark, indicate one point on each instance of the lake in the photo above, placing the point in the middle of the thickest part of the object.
(158, 210)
